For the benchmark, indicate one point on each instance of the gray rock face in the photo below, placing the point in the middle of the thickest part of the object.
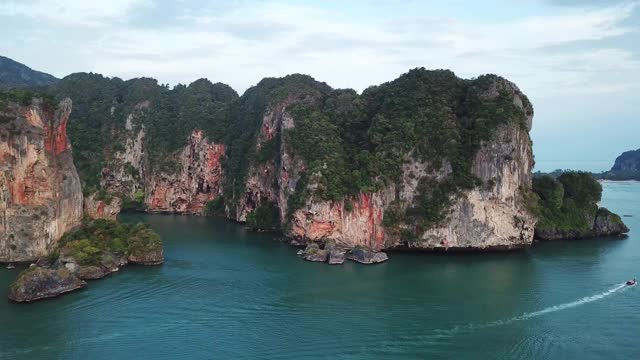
(629, 161)
(367, 256)
(491, 216)
(92, 272)
(608, 223)
(315, 254)
(337, 256)
(41, 283)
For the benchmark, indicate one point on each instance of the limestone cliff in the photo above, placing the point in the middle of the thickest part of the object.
(187, 190)
(426, 161)
(40, 192)
(274, 179)
(626, 167)
(491, 215)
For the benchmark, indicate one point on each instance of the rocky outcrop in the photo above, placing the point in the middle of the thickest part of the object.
(102, 209)
(492, 216)
(39, 283)
(628, 161)
(40, 192)
(313, 253)
(626, 167)
(604, 223)
(199, 180)
(366, 256)
(608, 224)
(359, 226)
(155, 257)
(186, 191)
(280, 168)
(381, 155)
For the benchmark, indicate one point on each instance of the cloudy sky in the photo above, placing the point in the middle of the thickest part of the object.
(578, 60)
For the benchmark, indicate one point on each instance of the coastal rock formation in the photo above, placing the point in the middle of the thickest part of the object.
(608, 224)
(130, 176)
(366, 256)
(490, 216)
(428, 161)
(626, 167)
(40, 192)
(102, 209)
(39, 283)
(96, 249)
(199, 181)
(569, 208)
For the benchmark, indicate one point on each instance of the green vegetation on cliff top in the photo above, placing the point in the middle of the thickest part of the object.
(101, 106)
(350, 143)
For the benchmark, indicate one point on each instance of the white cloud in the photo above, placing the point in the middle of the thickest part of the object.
(242, 44)
(276, 39)
(73, 12)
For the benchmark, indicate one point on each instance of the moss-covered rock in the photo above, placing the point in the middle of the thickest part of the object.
(38, 283)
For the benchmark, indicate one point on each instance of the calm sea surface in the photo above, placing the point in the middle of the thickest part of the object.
(225, 293)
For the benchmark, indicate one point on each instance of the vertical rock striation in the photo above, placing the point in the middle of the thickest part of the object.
(130, 176)
(40, 192)
(198, 181)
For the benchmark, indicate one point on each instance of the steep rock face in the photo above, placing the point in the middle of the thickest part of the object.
(489, 217)
(492, 215)
(40, 192)
(360, 226)
(125, 173)
(626, 167)
(275, 179)
(198, 182)
(629, 161)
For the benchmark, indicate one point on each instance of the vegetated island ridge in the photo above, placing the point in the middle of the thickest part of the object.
(428, 161)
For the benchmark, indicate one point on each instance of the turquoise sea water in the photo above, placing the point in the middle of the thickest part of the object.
(225, 293)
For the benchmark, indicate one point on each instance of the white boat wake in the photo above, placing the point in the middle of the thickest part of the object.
(529, 315)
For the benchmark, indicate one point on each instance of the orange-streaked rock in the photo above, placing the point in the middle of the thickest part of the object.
(40, 192)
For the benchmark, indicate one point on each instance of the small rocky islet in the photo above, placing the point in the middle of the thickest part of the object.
(330, 253)
(95, 250)
(426, 162)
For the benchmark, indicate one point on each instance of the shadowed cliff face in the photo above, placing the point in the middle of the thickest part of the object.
(40, 191)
